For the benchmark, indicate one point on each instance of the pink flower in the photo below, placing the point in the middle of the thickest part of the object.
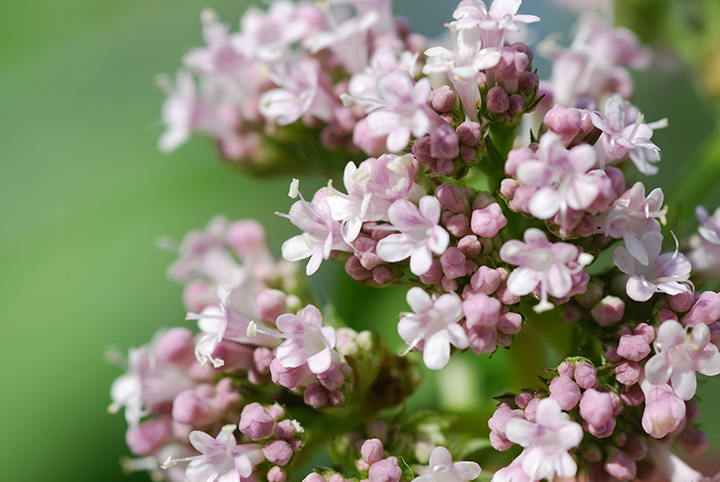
(664, 411)
(420, 234)
(299, 93)
(561, 176)
(267, 36)
(433, 323)
(462, 65)
(709, 225)
(542, 264)
(632, 215)
(493, 23)
(546, 442)
(307, 341)
(667, 272)
(674, 468)
(442, 469)
(222, 458)
(625, 134)
(321, 233)
(402, 109)
(680, 352)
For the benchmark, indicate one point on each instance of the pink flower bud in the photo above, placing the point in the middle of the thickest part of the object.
(497, 100)
(470, 133)
(564, 121)
(434, 274)
(442, 99)
(270, 304)
(705, 310)
(276, 474)
(635, 448)
(146, 438)
(586, 375)
(176, 346)
(608, 311)
(356, 270)
(470, 246)
(509, 323)
(482, 339)
(693, 441)
(316, 396)
(497, 424)
(481, 310)
(627, 372)
(602, 431)
(332, 378)
(453, 263)
(632, 396)
(256, 422)
(567, 369)
(565, 391)
(508, 187)
(505, 296)
(682, 302)
(591, 297)
(444, 143)
(458, 225)
(193, 407)
(517, 105)
(372, 144)
(488, 221)
(285, 429)
(596, 407)
(664, 411)
(646, 331)
(421, 149)
(452, 198)
(531, 409)
(386, 470)
(522, 399)
(314, 477)
(372, 451)
(247, 238)
(381, 275)
(262, 358)
(633, 347)
(529, 82)
(198, 295)
(621, 466)
(278, 452)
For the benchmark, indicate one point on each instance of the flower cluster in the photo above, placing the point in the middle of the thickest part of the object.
(500, 200)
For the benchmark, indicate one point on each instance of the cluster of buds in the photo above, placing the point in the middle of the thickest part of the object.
(500, 200)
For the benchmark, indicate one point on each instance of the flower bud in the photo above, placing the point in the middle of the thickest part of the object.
(444, 143)
(705, 310)
(458, 225)
(247, 238)
(276, 474)
(608, 311)
(442, 99)
(565, 391)
(693, 441)
(596, 407)
(278, 452)
(146, 438)
(452, 198)
(633, 347)
(316, 396)
(586, 375)
(627, 372)
(270, 304)
(497, 100)
(621, 466)
(256, 422)
(386, 470)
(488, 221)
(372, 451)
(453, 263)
(470, 133)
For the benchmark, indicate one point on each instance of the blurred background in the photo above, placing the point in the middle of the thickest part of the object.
(84, 194)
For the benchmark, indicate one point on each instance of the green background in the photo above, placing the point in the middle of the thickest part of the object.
(84, 194)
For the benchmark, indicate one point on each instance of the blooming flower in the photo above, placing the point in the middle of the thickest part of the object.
(435, 324)
(632, 215)
(493, 23)
(222, 459)
(667, 272)
(442, 469)
(402, 109)
(625, 134)
(680, 352)
(542, 264)
(546, 441)
(561, 176)
(307, 341)
(321, 233)
(420, 234)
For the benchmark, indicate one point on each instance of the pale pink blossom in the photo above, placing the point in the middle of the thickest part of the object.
(402, 109)
(680, 353)
(493, 23)
(542, 264)
(307, 341)
(546, 442)
(434, 324)
(462, 66)
(321, 233)
(664, 411)
(633, 215)
(222, 459)
(420, 234)
(348, 40)
(674, 468)
(299, 93)
(442, 469)
(560, 176)
(267, 36)
(667, 273)
(625, 134)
